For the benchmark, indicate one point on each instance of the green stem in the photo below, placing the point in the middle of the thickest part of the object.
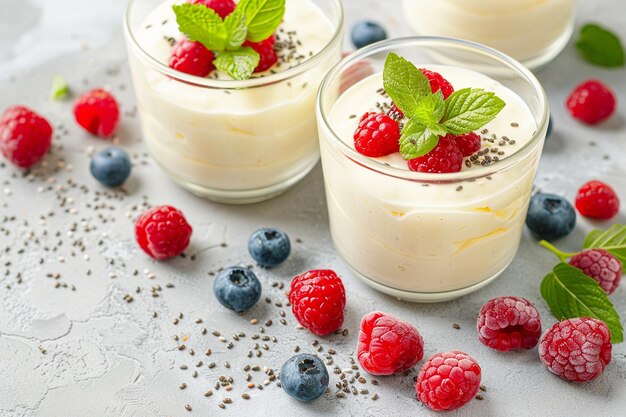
(559, 254)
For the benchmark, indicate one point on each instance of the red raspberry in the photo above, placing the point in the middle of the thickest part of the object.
(97, 112)
(388, 345)
(162, 232)
(221, 7)
(192, 58)
(469, 143)
(597, 200)
(317, 301)
(576, 349)
(591, 102)
(377, 135)
(437, 82)
(448, 381)
(446, 157)
(601, 266)
(25, 136)
(266, 51)
(507, 323)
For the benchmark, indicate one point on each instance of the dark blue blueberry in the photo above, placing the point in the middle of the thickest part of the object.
(237, 288)
(304, 377)
(365, 33)
(269, 247)
(111, 166)
(550, 125)
(550, 216)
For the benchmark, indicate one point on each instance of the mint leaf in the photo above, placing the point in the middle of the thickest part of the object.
(416, 140)
(236, 28)
(612, 240)
(201, 24)
(60, 90)
(262, 17)
(239, 64)
(405, 84)
(570, 293)
(470, 109)
(599, 46)
(430, 109)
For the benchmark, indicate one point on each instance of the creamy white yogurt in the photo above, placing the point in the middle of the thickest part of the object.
(433, 238)
(527, 30)
(222, 142)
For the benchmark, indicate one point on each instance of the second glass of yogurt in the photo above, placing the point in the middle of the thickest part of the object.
(430, 236)
(233, 141)
(531, 31)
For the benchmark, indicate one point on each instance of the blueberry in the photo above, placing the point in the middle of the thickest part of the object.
(550, 216)
(269, 247)
(304, 377)
(111, 166)
(365, 33)
(237, 288)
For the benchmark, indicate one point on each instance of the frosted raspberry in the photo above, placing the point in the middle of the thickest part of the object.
(507, 323)
(601, 266)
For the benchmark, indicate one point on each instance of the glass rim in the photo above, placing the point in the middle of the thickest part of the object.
(231, 84)
(475, 173)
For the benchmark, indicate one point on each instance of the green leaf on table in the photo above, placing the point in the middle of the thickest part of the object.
(262, 17)
(430, 109)
(599, 46)
(60, 90)
(470, 109)
(236, 28)
(612, 240)
(239, 64)
(405, 84)
(416, 140)
(570, 293)
(200, 23)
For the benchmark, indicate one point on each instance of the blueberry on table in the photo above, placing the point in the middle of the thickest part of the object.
(111, 166)
(237, 288)
(269, 247)
(550, 216)
(304, 377)
(365, 33)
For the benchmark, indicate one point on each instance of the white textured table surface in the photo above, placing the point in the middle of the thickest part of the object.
(82, 350)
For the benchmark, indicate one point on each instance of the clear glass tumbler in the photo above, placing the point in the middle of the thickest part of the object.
(415, 235)
(230, 141)
(531, 31)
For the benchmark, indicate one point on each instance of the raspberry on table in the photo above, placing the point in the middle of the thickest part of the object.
(192, 58)
(600, 265)
(266, 51)
(446, 157)
(577, 349)
(222, 7)
(591, 102)
(163, 232)
(597, 200)
(448, 381)
(437, 82)
(25, 136)
(387, 344)
(318, 299)
(377, 135)
(468, 143)
(97, 112)
(508, 323)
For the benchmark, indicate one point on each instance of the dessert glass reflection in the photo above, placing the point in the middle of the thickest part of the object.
(531, 31)
(233, 141)
(421, 236)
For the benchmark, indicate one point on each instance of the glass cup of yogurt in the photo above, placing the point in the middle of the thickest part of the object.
(531, 31)
(226, 140)
(430, 236)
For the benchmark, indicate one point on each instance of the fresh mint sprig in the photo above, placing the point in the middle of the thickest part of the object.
(59, 90)
(612, 240)
(599, 46)
(429, 115)
(253, 20)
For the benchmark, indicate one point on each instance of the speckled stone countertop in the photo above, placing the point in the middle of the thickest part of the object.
(72, 345)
